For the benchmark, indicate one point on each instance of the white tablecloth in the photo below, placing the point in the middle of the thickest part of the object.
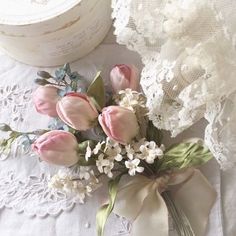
(79, 220)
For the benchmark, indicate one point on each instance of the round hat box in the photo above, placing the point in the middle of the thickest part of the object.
(52, 32)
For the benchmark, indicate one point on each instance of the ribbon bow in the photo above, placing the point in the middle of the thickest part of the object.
(140, 201)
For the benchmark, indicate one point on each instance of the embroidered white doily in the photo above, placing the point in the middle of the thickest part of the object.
(188, 51)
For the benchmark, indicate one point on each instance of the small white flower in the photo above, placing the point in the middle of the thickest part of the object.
(136, 145)
(130, 99)
(108, 169)
(55, 183)
(81, 191)
(128, 103)
(133, 167)
(84, 172)
(130, 152)
(101, 162)
(88, 152)
(98, 147)
(104, 165)
(149, 152)
(114, 153)
(68, 186)
(78, 185)
(113, 150)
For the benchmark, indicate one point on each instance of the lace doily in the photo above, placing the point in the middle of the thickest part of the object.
(33, 196)
(188, 51)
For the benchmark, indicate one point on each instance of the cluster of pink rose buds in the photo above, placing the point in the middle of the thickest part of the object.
(78, 111)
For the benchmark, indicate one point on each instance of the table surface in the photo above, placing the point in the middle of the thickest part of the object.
(16, 85)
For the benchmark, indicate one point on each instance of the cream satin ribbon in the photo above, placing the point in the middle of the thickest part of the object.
(140, 201)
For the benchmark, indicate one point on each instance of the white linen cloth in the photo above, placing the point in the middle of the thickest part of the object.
(64, 218)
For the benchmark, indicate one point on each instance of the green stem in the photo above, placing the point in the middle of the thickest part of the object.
(65, 83)
(148, 168)
(181, 222)
(53, 83)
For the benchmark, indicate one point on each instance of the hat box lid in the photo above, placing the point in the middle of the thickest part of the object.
(23, 12)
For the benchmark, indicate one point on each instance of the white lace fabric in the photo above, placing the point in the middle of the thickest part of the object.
(188, 51)
(220, 132)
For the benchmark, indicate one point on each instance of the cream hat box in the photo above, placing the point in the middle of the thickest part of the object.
(52, 32)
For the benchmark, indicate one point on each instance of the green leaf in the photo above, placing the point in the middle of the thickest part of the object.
(184, 155)
(104, 212)
(97, 90)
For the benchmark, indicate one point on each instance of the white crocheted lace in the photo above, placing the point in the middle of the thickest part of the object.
(220, 132)
(188, 51)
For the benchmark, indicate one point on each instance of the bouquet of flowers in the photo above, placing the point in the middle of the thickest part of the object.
(98, 132)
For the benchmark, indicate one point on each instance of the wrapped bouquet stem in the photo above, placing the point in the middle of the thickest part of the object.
(141, 201)
(123, 145)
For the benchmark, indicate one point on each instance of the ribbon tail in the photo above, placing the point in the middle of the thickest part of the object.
(153, 217)
(196, 198)
(140, 202)
(130, 197)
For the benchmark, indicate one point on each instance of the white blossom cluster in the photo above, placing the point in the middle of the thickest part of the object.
(81, 184)
(130, 156)
(141, 151)
(130, 99)
(107, 153)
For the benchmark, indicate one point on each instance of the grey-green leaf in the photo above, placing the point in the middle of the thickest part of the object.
(44, 74)
(60, 74)
(184, 155)
(97, 90)
(41, 81)
(67, 69)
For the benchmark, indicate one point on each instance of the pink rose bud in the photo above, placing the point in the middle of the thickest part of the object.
(123, 76)
(45, 99)
(77, 111)
(119, 123)
(57, 147)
